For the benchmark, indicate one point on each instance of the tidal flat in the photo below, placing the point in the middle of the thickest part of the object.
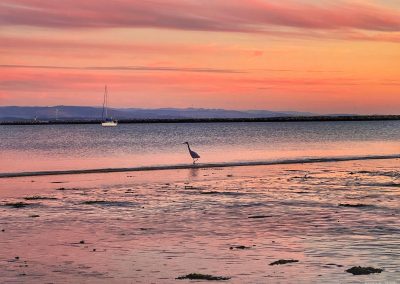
(228, 223)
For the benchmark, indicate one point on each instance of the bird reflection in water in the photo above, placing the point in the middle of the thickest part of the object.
(194, 172)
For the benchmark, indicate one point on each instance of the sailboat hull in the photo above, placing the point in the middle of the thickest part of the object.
(109, 123)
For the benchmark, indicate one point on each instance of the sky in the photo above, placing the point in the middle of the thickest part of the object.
(305, 55)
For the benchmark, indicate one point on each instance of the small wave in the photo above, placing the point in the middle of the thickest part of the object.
(228, 193)
(109, 203)
(393, 174)
(386, 184)
(203, 165)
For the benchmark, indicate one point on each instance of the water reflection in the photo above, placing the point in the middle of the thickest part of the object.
(62, 147)
(193, 173)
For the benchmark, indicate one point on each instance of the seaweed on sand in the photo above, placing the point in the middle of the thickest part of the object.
(17, 204)
(390, 184)
(283, 261)
(358, 270)
(36, 197)
(107, 203)
(191, 187)
(209, 192)
(198, 276)
(65, 188)
(358, 205)
(90, 202)
(239, 247)
(259, 216)
(227, 193)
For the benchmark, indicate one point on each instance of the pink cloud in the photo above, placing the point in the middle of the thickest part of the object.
(205, 15)
(81, 80)
(53, 46)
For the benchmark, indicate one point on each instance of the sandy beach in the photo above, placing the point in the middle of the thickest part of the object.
(154, 226)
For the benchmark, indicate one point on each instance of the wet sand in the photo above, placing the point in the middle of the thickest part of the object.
(152, 227)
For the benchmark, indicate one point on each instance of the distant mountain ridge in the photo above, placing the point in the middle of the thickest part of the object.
(16, 113)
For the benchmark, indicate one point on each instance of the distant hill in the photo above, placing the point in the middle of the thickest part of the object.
(14, 113)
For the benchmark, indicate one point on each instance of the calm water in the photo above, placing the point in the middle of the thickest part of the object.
(64, 147)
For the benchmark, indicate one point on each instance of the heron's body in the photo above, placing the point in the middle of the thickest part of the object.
(192, 153)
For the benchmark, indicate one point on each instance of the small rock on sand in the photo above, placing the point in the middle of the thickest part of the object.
(283, 261)
(198, 276)
(17, 204)
(358, 270)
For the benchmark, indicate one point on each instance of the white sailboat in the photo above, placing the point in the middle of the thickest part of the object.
(107, 121)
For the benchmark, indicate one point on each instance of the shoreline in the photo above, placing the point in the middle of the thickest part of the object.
(212, 120)
(200, 166)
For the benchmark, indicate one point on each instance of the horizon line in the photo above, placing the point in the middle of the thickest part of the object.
(208, 108)
(177, 108)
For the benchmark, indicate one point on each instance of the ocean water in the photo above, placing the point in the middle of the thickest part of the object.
(74, 147)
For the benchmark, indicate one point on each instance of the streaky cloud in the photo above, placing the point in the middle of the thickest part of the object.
(126, 68)
(205, 15)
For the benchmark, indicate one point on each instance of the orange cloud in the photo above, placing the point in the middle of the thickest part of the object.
(174, 89)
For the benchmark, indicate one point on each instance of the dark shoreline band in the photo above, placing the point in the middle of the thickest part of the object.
(211, 120)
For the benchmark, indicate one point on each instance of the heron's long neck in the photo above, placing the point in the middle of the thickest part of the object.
(188, 147)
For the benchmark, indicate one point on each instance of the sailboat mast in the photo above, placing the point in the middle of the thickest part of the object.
(104, 104)
(106, 100)
(106, 120)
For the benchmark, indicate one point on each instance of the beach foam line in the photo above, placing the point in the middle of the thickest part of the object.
(202, 166)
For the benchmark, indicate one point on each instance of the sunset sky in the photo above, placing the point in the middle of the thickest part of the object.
(307, 55)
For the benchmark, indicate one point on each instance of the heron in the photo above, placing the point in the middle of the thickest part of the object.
(192, 153)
